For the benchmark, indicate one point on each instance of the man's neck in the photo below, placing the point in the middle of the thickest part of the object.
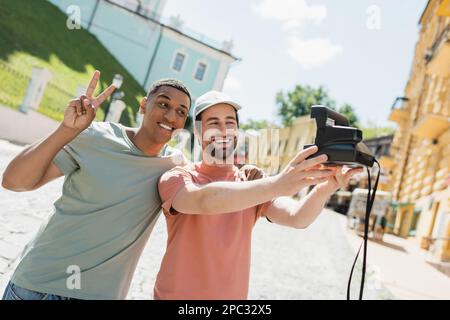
(143, 142)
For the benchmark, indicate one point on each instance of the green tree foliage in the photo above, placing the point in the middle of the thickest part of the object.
(348, 111)
(372, 130)
(298, 102)
(257, 124)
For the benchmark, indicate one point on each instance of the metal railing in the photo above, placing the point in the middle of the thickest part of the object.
(398, 102)
(55, 101)
(146, 13)
(14, 85)
(443, 37)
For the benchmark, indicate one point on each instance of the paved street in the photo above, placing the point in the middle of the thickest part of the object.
(286, 264)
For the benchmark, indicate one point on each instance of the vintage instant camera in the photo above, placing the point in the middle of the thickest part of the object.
(340, 142)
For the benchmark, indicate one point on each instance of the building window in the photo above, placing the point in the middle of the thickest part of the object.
(200, 71)
(178, 61)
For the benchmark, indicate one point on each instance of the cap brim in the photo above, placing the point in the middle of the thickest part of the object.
(236, 106)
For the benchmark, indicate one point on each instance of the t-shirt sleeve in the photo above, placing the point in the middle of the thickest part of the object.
(67, 159)
(169, 185)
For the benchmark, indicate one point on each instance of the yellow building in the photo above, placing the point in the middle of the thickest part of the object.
(420, 151)
(272, 149)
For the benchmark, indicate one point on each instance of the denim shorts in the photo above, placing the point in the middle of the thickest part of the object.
(13, 292)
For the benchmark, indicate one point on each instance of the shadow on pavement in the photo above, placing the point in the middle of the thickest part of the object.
(389, 245)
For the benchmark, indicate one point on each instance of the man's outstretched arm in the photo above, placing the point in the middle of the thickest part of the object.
(225, 196)
(33, 167)
(300, 214)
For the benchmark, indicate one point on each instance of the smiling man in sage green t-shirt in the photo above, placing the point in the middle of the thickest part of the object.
(90, 245)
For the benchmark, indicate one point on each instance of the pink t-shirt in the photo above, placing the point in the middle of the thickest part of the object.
(207, 256)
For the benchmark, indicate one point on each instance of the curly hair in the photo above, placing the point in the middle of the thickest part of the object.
(169, 82)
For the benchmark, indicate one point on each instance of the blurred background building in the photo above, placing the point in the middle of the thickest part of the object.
(271, 149)
(415, 161)
(419, 159)
(151, 46)
(50, 49)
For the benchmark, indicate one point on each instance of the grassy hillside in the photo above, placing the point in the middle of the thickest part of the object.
(34, 33)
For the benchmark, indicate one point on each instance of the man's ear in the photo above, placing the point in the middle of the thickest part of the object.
(143, 105)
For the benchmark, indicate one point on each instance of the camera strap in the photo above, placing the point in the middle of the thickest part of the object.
(369, 204)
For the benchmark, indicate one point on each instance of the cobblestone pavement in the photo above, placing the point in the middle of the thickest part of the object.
(286, 263)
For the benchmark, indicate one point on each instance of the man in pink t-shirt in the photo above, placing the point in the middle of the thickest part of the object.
(211, 210)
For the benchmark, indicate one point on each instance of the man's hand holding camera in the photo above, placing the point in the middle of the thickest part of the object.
(339, 179)
(302, 172)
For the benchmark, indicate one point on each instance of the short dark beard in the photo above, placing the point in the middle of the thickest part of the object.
(225, 155)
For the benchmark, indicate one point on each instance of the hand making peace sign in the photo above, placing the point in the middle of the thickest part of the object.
(81, 111)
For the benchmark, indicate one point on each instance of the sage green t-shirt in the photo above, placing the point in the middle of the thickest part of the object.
(91, 243)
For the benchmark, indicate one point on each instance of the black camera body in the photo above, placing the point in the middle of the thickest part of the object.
(340, 142)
